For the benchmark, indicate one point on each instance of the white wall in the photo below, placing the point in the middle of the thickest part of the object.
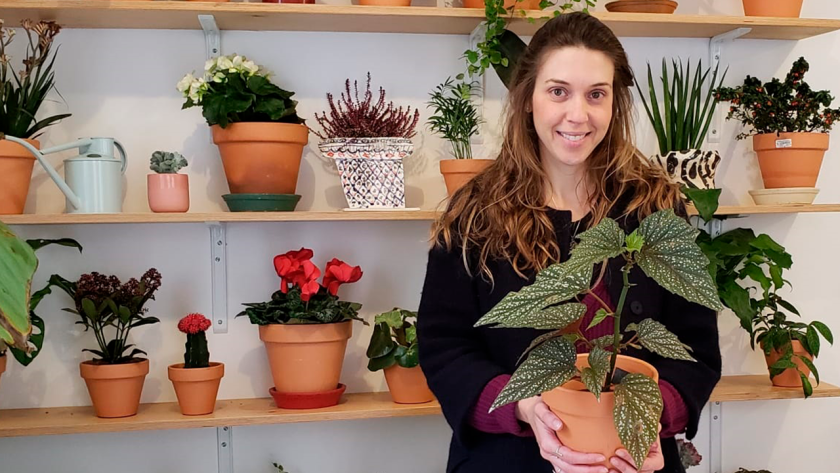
(121, 84)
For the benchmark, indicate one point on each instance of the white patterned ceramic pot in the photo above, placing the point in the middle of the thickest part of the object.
(371, 170)
(693, 168)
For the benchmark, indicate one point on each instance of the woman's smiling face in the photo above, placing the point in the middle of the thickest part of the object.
(572, 104)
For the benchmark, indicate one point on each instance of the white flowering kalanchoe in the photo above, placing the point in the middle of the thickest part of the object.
(216, 70)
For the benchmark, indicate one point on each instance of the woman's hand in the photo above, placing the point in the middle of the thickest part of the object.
(623, 462)
(545, 424)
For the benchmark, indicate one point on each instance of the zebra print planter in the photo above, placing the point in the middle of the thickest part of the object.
(692, 168)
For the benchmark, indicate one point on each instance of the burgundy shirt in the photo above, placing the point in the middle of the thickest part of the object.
(503, 420)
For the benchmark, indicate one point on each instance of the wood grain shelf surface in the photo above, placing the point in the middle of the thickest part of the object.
(355, 18)
(244, 412)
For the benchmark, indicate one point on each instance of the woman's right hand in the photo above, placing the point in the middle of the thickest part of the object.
(545, 426)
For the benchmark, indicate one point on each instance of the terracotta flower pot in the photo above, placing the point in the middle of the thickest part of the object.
(588, 425)
(16, 165)
(115, 389)
(789, 378)
(642, 6)
(790, 159)
(408, 385)
(776, 8)
(196, 388)
(261, 158)
(386, 3)
(169, 192)
(2, 364)
(457, 172)
(523, 5)
(306, 358)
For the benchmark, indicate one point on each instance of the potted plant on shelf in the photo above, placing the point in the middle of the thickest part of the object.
(255, 125)
(305, 328)
(104, 304)
(18, 303)
(21, 96)
(393, 348)
(168, 191)
(625, 405)
(689, 106)
(368, 140)
(197, 379)
(789, 122)
(457, 120)
(739, 256)
(774, 8)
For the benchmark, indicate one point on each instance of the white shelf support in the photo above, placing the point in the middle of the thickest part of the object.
(224, 445)
(715, 54)
(218, 276)
(477, 36)
(716, 438)
(212, 37)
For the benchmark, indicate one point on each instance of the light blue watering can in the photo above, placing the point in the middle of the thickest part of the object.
(94, 178)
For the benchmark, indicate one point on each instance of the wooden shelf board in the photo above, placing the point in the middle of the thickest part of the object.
(759, 388)
(773, 209)
(165, 416)
(354, 18)
(303, 216)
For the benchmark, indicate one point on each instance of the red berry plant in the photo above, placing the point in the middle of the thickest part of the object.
(780, 107)
(301, 299)
(197, 354)
(353, 117)
(110, 307)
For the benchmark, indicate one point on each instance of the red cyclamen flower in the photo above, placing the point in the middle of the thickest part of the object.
(307, 280)
(289, 266)
(193, 323)
(337, 273)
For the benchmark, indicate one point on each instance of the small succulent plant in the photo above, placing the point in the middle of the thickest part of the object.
(164, 162)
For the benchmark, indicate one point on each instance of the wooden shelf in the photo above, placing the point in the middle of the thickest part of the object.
(773, 209)
(354, 18)
(240, 412)
(759, 388)
(165, 416)
(303, 216)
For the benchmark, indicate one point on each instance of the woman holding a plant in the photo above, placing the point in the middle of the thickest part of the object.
(626, 313)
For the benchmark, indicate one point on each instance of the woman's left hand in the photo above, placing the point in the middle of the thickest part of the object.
(622, 462)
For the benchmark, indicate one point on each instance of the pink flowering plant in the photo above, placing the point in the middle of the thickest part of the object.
(197, 355)
(111, 309)
(780, 107)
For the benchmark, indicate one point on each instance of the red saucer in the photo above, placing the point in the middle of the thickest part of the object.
(307, 400)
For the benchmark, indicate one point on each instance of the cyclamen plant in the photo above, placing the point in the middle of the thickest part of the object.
(164, 162)
(234, 89)
(393, 341)
(664, 248)
(301, 299)
(780, 107)
(197, 355)
(103, 303)
(353, 117)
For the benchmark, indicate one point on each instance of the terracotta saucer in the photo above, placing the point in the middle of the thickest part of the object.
(307, 400)
(642, 6)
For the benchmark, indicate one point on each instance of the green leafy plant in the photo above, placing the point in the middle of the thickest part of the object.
(164, 162)
(780, 107)
(234, 89)
(104, 304)
(455, 116)
(22, 94)
(739, 258)
(394, 341)
(688, 103)
(17, 303)
(664, 248)
(501, 48)
(301, 299)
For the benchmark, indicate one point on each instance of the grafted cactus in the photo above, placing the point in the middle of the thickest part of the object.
(164, 162)
(197, 354)
(17, 266)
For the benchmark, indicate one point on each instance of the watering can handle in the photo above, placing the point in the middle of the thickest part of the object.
(123, 156)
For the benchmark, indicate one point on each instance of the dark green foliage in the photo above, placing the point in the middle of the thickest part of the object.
(196, 355)
(394, 341)
(322, 308)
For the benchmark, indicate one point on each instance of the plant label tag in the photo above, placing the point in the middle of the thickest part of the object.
(784, 143)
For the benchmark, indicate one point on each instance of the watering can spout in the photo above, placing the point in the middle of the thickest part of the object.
(72, 198)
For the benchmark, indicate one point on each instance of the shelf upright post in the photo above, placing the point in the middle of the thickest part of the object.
(218, 276)
(224, 444)
(715, 53)
(212, 37)
(477, 36)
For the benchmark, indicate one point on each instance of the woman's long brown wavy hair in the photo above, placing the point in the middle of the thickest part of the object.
(501, 213)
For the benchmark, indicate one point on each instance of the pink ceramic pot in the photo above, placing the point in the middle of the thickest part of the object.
(169, 192)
